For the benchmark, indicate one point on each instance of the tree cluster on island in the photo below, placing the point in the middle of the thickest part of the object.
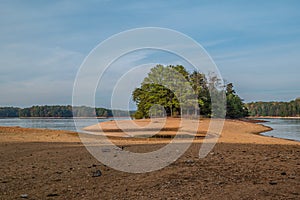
(153, 91)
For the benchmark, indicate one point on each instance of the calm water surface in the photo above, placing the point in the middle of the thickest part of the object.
(56, 124)
(283, 128)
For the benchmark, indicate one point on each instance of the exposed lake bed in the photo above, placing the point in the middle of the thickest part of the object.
(43, 163)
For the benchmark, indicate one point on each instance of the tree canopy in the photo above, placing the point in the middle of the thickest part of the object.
(235, 106)
(164, 82)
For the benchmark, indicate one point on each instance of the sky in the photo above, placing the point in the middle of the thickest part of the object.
(255, 44)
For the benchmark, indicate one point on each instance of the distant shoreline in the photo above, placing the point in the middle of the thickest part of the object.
(60, 117)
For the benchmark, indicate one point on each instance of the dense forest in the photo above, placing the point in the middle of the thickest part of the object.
(281, 109)
(60, 111)
(9, 112)
(150, 93)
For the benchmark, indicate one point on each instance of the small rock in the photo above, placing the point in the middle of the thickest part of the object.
(24, 196)
(283, 173)
(221, 183)
(52, 195)
(189, 162)
(273, 183)
(93, 165)
(97, 173)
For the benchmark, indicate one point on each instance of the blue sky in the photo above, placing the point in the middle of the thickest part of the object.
(255, 44)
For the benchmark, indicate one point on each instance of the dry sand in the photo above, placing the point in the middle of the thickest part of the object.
(47, 164)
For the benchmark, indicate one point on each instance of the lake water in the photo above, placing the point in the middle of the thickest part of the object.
(56, 124)
(283, 128)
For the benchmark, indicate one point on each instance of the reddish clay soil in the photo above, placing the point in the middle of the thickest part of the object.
(45, 164)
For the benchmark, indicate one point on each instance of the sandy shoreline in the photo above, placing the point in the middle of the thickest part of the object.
(47, 164)
(234, 131)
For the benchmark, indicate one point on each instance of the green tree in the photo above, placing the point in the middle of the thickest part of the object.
(281, 109)
(235, 105)
(162, 84)
(160, 87)
(9, 112)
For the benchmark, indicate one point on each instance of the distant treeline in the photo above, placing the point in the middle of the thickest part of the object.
(60, 111)
(276, 109)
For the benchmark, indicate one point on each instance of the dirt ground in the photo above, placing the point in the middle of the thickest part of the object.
(46, 164)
